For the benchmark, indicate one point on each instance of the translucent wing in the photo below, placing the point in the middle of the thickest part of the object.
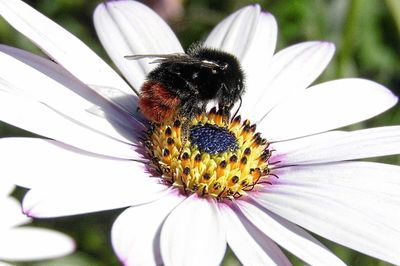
(179, 58)
(165, 58)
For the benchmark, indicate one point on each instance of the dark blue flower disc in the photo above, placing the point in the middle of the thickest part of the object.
(212, 139)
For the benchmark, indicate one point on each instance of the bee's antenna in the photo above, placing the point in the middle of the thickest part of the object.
(237, 110)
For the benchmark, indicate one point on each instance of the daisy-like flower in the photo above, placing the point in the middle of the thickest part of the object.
(256, 183)
(23, 243)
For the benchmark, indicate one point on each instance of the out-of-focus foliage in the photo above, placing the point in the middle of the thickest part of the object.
(367, 37)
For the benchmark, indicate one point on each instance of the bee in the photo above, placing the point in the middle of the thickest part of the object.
(184, 83)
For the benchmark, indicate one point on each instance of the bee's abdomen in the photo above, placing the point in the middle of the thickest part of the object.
(157, 103)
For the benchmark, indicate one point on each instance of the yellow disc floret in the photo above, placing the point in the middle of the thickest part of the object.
(210, 156)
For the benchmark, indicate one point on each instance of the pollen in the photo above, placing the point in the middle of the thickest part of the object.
(210, 155)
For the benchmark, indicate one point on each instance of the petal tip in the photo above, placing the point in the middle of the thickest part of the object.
(257, 7)
(327, 47)
(267, 14)
(331, 46)
(327, 44)
(252, 7)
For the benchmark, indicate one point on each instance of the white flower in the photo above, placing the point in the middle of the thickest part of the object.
(94, 159)
(21, 243)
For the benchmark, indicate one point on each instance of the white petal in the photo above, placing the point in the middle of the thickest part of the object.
(249, 244)
(72, 199)
(129, 28)
(290, 72)
(68, 51)
(62, 177)
(358, 176)
(289, 236)
(260, 43)
(12, 215)
(136, 232)
(48, 83)
(237, 32)
(26, 113)
(327, 106)
(49, 161)
(25, 243)
(192, 234)
(256, 60)
(6, 187)
(355, 204)
(339, 146)
(250, 35)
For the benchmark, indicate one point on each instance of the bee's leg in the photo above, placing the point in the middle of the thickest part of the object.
(186, 109)
(186, 115)
(225, 112)
(203, 107)
(185, 131)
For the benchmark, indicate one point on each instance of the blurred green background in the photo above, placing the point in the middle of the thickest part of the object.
(367, 37)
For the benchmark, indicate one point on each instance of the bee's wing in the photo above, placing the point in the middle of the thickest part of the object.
(165, 58)
(178, 58)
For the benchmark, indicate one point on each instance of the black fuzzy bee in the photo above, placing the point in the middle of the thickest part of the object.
(183, 84)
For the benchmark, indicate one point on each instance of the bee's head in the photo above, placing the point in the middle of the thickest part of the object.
(225, 72)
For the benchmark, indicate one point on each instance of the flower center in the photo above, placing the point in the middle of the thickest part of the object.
(212, 139)
(209, 155)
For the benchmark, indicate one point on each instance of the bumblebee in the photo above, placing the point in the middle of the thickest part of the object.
(183, 83)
